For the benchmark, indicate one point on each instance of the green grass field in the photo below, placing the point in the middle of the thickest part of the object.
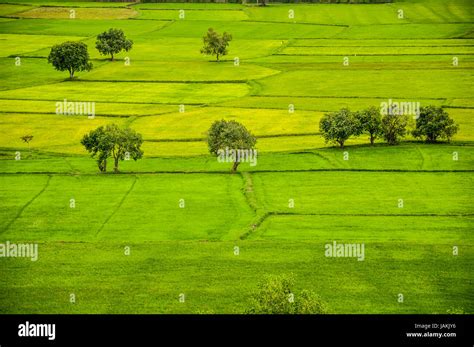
(181, 213)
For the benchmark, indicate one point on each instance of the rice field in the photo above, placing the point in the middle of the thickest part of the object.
(181, 213)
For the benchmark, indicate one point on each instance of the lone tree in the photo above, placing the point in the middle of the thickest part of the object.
(112, 141)
(275, 296)
(230, 135)
(370, 121)
(337, 127)
(434, 123)
(27, 139)
(113, 42)
(394, 127)
(70, 56)
(215, 44)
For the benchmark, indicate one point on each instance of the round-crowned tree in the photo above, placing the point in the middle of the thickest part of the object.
(370, 121)
(434, 123)
(215, 44)
(394, 127)
(225, 135)
(338, 126)
(70, 56)
(112, 42)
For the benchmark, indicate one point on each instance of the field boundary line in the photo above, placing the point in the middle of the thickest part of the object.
(301, 23)
(387, 46)
(110, 102)
(226, 172)
(248, 190)
(338, 97)
(28, 204)
(252, 202)
(326, 159)
(166, 25)
(243, 81)
(19, 4)
(383, 38)
(253, 231)
(33, 86)
(66, 5)
(279, 213)
(200, 139)
(54, 113)
(365, 55)
(422, 164)
(459, 107)
(118, 206)
(188, 9)
(364, 170)
(300, 108)
(68, 163)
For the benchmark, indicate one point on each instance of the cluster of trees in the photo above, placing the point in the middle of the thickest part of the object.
(73, 56)
(275, 296)
(432, 124)
(112, 141)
